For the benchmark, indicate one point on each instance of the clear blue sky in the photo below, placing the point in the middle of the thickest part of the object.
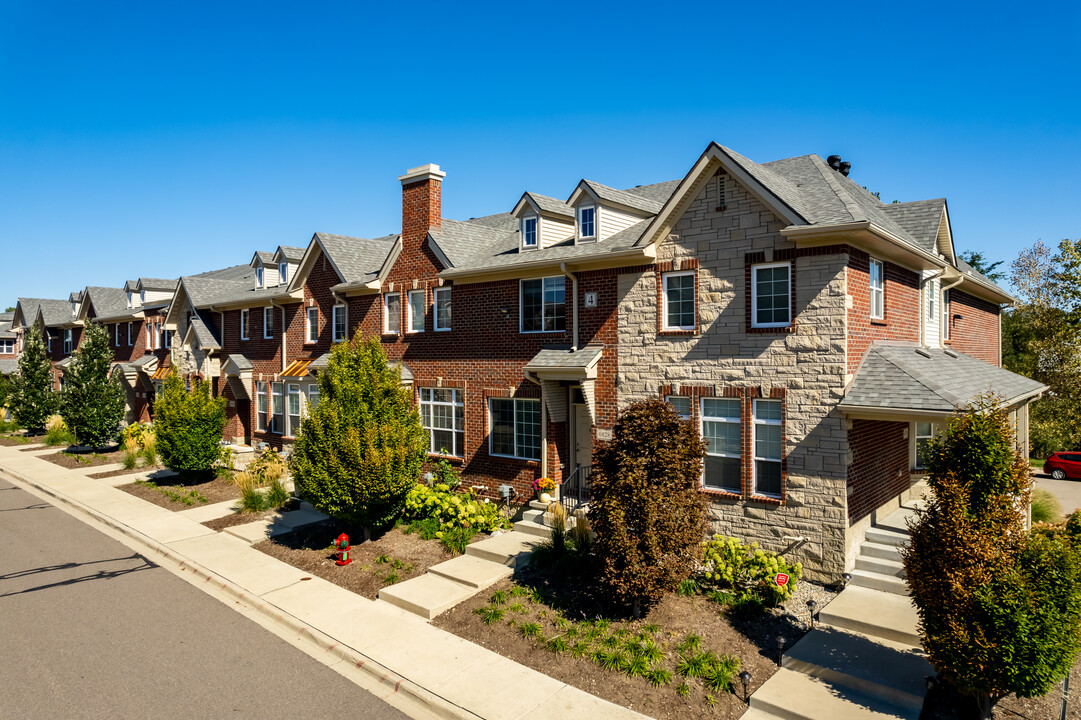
(162, 139)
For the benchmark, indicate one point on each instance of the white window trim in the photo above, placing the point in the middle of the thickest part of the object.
(283, 273)
(279, 387)
(290, 431)
(435, 308)
(932, 297)
(68, 341)
(946, 315)
(309, 326)
(914, 458)
(881, 291)
(387, 329)
(334, 312)
(596, 222)
(521, 306)
(668, 399)
(166, 337)
(261, 390)
(409, 316)
(259, 275)
(703, 418)
(268, 312)
(664, 299)
(755, 422)
(536, 232)
(491, 424)
(754, 295)
(7, 346)
(149, 338)
(243, 324)
(458, 399)
(130, 340)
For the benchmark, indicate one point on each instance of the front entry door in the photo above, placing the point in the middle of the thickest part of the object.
(583, 437)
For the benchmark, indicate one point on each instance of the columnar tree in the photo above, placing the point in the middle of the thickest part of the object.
(999, 608)
(188, 426)
(92, 399)
(32, 397)
(646, 509)
(361, 449)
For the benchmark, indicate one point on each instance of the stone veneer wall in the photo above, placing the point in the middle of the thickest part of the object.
(806, 366)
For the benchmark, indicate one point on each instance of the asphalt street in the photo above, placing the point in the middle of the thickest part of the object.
(91, 629)
(1068, 492)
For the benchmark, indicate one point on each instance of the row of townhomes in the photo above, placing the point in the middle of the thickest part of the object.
(816, 336)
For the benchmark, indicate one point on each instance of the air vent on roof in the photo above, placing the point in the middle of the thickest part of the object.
(951, 353)
(834, 161)
(924, 352)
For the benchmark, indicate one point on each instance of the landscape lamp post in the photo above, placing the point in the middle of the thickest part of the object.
(745, 678)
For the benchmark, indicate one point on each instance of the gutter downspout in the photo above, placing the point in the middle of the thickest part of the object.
(544, 426)
(574, 289)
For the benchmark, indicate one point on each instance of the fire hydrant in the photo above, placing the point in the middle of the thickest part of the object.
(342, 543)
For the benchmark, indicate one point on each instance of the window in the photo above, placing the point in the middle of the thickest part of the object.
(515, 428)
(49, 342)
(768, 447)
(542, 304)
(338, 318)
(931, 290)
(416, 311)
(679, 301)
(243, 324)
(116, 334)
(311, 325)
(925, 433)
(129, 298)
(442, 308)
(721, 431)
(771, 300)
(165, 337)
(149, 336)
(261, 406)
(392, 313)
(283, 273)
(587, 228)
(294, 410)
(142, 297)
(681, 404)
(74, 311)
(878, 290)
(131, 340)
(277, 409)
(442, 414)
(313, 397)
(258, 276)
(946, 315)
(268, 323)
(529, 232)
(67, 342)
(7, 347)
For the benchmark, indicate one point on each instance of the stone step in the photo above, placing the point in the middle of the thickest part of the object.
(873, 613)
(878, 581)
(793, 695)
(427, 595)
(898, 519)
(890, 671)
(533, 515)
(885, 536)
(882, 566)
(879, 550)
(471, 571)
(756, 714)
(532, 528)
(510, 549)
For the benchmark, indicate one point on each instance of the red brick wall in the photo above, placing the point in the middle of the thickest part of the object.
(879, 469)
(901, 319)
(976, 331)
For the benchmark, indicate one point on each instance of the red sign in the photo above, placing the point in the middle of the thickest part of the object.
(781, 579)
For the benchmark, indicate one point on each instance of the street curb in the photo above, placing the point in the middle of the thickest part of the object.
(384, 676)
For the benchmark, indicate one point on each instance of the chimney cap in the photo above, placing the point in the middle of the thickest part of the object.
(424, 172)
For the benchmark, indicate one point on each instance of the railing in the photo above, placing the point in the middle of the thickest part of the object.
(575, 490)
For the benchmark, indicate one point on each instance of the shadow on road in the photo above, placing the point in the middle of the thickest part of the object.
(99, 575)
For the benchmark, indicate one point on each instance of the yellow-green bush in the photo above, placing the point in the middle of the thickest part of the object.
(453, 509)
(747, 569)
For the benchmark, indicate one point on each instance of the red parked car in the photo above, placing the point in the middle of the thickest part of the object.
(1062, 465)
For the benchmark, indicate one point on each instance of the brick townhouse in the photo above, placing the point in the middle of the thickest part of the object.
(8, 344)
(60, 330)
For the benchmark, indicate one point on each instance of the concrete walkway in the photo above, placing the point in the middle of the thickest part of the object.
(438, 672)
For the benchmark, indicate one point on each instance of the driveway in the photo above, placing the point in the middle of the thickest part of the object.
(1068, 492)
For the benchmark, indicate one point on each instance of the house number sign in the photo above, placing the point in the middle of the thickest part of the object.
(591, 299)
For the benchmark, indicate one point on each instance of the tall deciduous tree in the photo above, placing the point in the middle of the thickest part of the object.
(188, 426)
(92, 399)
(361, 450)
(32, 397)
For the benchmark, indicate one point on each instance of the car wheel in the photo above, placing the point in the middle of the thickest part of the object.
(1058, 474)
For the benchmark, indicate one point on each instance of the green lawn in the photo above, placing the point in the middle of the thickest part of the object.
(1036, 463)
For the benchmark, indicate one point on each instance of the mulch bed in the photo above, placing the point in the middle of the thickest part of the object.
(16, 440)
(243, 518)
(309, 549)
(90, 458)
(750, 638)
(215, 490)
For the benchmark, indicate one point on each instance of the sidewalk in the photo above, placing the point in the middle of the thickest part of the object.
(445, 674)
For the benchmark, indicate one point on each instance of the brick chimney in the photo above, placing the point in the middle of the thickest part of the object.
(421, 204)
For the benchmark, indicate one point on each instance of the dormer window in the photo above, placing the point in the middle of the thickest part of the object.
(73, 311)
(258, 276)
(129, 298)
(587, 226)
(283, 273)
(529, 232)
(142, 297)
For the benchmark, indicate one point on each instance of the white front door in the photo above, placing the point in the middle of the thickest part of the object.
(582, 436)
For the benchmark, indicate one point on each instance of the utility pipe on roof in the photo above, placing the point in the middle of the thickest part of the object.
(574, 290)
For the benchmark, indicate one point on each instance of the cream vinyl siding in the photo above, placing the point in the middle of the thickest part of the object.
(552, 232)
(612, 221)
(270, 275)
(156, 296)
(932, 324)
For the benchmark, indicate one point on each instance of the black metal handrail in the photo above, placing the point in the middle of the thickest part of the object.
(574, 492)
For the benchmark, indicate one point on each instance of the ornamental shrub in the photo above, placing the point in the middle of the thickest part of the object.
(646, 511)
(188, 426)
(361, 449)
(747, 569)
(453, 509)
(92, 400)
(32, 397)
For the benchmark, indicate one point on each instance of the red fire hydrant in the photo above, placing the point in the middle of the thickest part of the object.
(342, 543)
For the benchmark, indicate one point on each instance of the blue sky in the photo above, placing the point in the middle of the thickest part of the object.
(154, 139)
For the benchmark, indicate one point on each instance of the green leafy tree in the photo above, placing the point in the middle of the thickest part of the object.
(10, 308)
(646, 509)
(188, 426)
(92, 399)
(361, 450)
(33, 399)
(999, 608)
(983, 265)
(5, 391)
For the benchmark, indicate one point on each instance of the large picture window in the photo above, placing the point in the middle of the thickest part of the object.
(515, 428)
(878, 289)
(771, 295)
(442, 413)
(543, 303)
(721, 431)
(768, 447)
(679, 301)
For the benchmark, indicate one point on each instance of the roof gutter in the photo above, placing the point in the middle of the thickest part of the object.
(861, 227)
(634, 253)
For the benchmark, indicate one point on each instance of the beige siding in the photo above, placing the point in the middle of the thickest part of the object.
(553, 232)
(154, 296)
(612, 221)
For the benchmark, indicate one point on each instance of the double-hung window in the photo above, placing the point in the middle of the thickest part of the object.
(529, 232)
(932, 294)
(543, 304)
(587, 225)
(441, 296)
(243, 324)
(392, 313)
(515, 428)
(277, 409)
(338, 318)
(67, 342)
(311, 325)
(771, 295)
(116, 334)
(261, 406)
(259, 276)
(149, 336)
(165, 337)
(678, 301)
(293, 405)
(925, 433)
(721, 431)
(283, 273)
(416, 311)
(946, 315)
(268, 323)
(313, 397)
(681, 404)
(131, 334)
(7, 347)
(878, 289)
(768, 447)
(442, 413)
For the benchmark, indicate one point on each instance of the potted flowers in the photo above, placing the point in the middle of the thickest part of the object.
(545, 489)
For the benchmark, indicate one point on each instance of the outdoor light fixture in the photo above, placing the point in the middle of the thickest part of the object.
(745, 678)
(930, 683)
(780, 648)
(845, 579)
(811, 606)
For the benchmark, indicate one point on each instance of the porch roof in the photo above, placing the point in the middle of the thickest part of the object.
(8, 366)
(908, 379)
(564, 361)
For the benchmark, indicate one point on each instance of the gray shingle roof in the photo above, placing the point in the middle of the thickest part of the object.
(551, 205)
(565, 358)
(357, 259)
(8, 366)
(5, 330)
(241, 362)
(204, 335)
(54, 312)
(920, 218)
(107, 301)
(158, 284)
(290, 253)
(460, 240)
(904, 377)
(266, 256)
(132, 285)
(8, 316)
(228, 285)
(657, 192)
(638, 201)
